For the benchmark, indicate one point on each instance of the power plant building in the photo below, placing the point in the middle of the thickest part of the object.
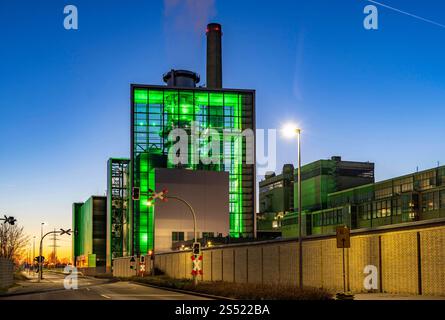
(90, 228)
(157, 110)
(215, 171)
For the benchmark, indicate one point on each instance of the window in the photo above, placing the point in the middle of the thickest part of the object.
(442, 199)
(383, 190)
(177, 236)
(441, 175)
(207, 235)
(426, 180)
(430, 201)
(397, 206)
(403, 185)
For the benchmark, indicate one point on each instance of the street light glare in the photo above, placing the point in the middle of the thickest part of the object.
(290, 130)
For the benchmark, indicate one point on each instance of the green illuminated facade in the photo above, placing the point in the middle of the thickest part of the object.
(118, 211)
(156, 110)
(89, 238)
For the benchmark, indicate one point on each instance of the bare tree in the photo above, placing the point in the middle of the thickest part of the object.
(13, 241)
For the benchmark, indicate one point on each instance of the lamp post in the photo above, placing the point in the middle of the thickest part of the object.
(40, 262)
(33, 252)
(195, 231)
(60, 232)
(291, 131)
(163, 196)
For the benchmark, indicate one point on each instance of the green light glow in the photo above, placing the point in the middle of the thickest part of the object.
(172, 108)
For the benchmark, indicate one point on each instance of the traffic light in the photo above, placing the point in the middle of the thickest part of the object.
(136, 193)
(132, 263)
(196, 248)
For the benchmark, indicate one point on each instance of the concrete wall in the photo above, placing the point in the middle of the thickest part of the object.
(206, 191)
(409, 261)
(122, 267)
(6, 273)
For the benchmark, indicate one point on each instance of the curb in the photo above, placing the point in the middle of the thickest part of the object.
(6, 295)
(26, 293)
(193, 293)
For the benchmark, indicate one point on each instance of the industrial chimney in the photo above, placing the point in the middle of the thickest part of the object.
(214, 56)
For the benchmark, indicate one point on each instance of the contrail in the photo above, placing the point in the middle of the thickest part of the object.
(408, 14)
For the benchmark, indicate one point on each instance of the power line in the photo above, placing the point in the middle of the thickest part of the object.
(408, 14)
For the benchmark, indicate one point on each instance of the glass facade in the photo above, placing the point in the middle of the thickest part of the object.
(416, 197)
(117, 208)
(155, 112)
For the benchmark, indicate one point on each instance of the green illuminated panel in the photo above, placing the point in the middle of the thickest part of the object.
(156, 113)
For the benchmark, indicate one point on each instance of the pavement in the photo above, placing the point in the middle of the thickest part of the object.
(387, 296)
(89, 288)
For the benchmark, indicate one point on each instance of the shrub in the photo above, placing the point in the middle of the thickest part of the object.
(242, 291)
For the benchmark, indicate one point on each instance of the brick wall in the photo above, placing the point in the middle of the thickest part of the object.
(410, 261)
(6, 273)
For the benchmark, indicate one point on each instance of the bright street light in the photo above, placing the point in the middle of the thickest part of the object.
(290, 131)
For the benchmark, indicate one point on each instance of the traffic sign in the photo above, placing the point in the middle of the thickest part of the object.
(39, 259)
(343, 237)
(197, 268)
(158, 195)
(68, 232)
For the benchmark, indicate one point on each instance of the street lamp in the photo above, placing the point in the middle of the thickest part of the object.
(290, 131)
(162, 196)
(40, 249)
(60, 232)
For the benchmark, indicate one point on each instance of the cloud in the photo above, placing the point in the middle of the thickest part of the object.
(189, 14)
(185, 23)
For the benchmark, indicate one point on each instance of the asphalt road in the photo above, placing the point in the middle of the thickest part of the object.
(91, 289)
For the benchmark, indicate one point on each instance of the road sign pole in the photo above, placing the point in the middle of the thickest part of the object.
(344, 242)
(344, 269)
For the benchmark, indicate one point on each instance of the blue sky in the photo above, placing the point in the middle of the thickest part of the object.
(64, 95)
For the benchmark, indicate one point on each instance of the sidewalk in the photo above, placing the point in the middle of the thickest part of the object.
(32, 285)
(387, 296)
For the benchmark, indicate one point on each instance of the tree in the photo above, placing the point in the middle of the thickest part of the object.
(13, 241)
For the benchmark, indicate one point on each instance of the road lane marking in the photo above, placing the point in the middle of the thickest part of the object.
(145, 295)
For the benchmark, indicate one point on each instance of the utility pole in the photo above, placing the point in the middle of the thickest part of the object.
(54, 246)
(33, 252)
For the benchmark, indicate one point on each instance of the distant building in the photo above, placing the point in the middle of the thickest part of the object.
(90, 229)
(414, 197)
(276, 198)
(319, 179)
